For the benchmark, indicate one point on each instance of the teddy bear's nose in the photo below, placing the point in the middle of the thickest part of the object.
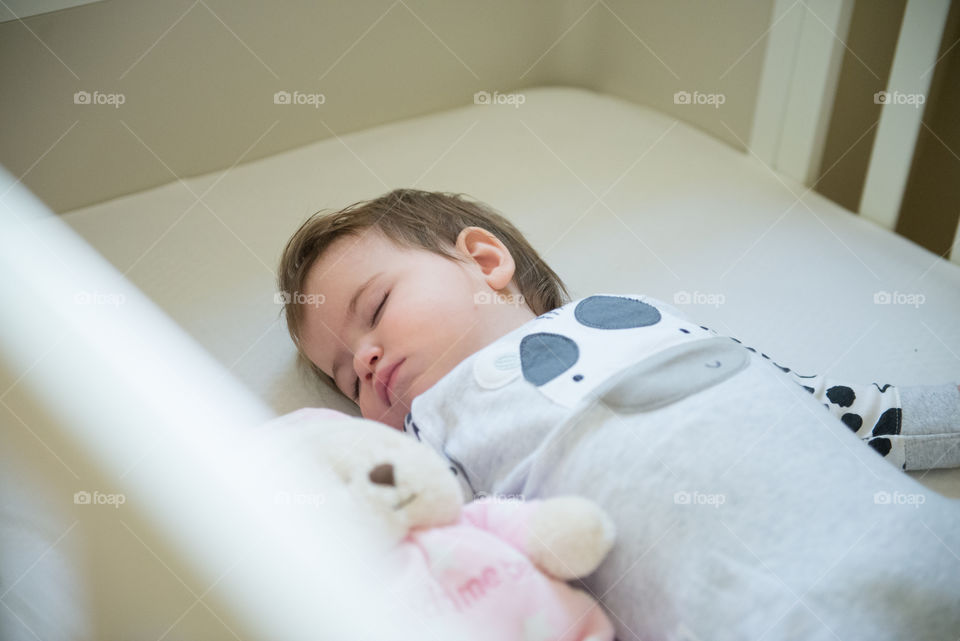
(382, 474)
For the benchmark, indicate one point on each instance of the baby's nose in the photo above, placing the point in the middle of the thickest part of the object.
(382, 474)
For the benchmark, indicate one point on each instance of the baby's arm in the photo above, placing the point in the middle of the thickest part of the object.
(914, 427)
(931, 426)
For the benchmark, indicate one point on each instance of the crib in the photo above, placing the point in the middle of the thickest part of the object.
(117, 315)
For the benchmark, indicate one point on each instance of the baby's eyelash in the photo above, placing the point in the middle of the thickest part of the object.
(379, 307)
(376, 313)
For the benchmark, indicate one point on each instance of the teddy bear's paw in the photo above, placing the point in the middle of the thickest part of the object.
(569, 537)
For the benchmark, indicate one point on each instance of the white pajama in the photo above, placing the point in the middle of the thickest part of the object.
(743, 509)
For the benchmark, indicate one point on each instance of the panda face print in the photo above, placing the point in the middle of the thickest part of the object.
(570, 352)
(614, 312)
(545, 356)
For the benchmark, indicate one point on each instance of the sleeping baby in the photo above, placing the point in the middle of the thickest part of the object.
(750, 500)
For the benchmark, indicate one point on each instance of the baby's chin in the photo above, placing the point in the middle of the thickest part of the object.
(393, 417)
(396, 414)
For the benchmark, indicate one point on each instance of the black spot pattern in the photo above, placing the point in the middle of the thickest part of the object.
(888, 424)
(457, 469)
(410, 426)
(613, 312)
(785, 370)
(881, 445)
(882, 389)
(853, 421)
(543, 356)
(841, 395)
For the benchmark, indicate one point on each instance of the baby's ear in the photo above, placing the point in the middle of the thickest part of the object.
(491, 256)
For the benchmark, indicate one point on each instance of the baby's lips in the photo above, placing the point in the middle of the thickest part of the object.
(383, 385)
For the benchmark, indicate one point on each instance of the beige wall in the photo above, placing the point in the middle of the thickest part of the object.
(648, 51)
(198, 78)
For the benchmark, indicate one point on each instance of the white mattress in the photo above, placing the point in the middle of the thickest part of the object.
(680, 212)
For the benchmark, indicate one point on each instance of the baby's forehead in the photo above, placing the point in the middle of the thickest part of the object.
(365, 243)
(342, 255)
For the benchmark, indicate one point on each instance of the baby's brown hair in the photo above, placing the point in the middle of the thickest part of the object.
(414, 219)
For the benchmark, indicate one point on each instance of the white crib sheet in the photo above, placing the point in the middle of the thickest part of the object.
(616, 197)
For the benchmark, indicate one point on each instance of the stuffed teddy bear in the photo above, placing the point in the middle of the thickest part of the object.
(494, 567)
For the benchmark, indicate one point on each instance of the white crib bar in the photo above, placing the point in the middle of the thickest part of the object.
(132, 371)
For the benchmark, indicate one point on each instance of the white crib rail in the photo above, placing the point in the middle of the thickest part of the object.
(131, 371)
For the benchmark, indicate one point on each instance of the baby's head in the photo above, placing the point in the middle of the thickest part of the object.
(385, 297)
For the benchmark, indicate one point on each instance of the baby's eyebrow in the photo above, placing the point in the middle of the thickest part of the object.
(351, 312)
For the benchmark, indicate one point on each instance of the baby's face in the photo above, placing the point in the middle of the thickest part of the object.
(394, 320)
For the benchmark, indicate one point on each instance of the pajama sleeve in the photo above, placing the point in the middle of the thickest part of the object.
(931, 426)
(913, 427)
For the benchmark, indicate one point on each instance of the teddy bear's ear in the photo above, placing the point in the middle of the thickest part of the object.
(321, 435)
(343, 443)
(305, 416)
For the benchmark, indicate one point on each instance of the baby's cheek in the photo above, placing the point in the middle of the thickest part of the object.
(393, 417)
(424, 381)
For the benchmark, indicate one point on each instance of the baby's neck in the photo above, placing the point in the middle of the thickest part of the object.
(511, 318)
